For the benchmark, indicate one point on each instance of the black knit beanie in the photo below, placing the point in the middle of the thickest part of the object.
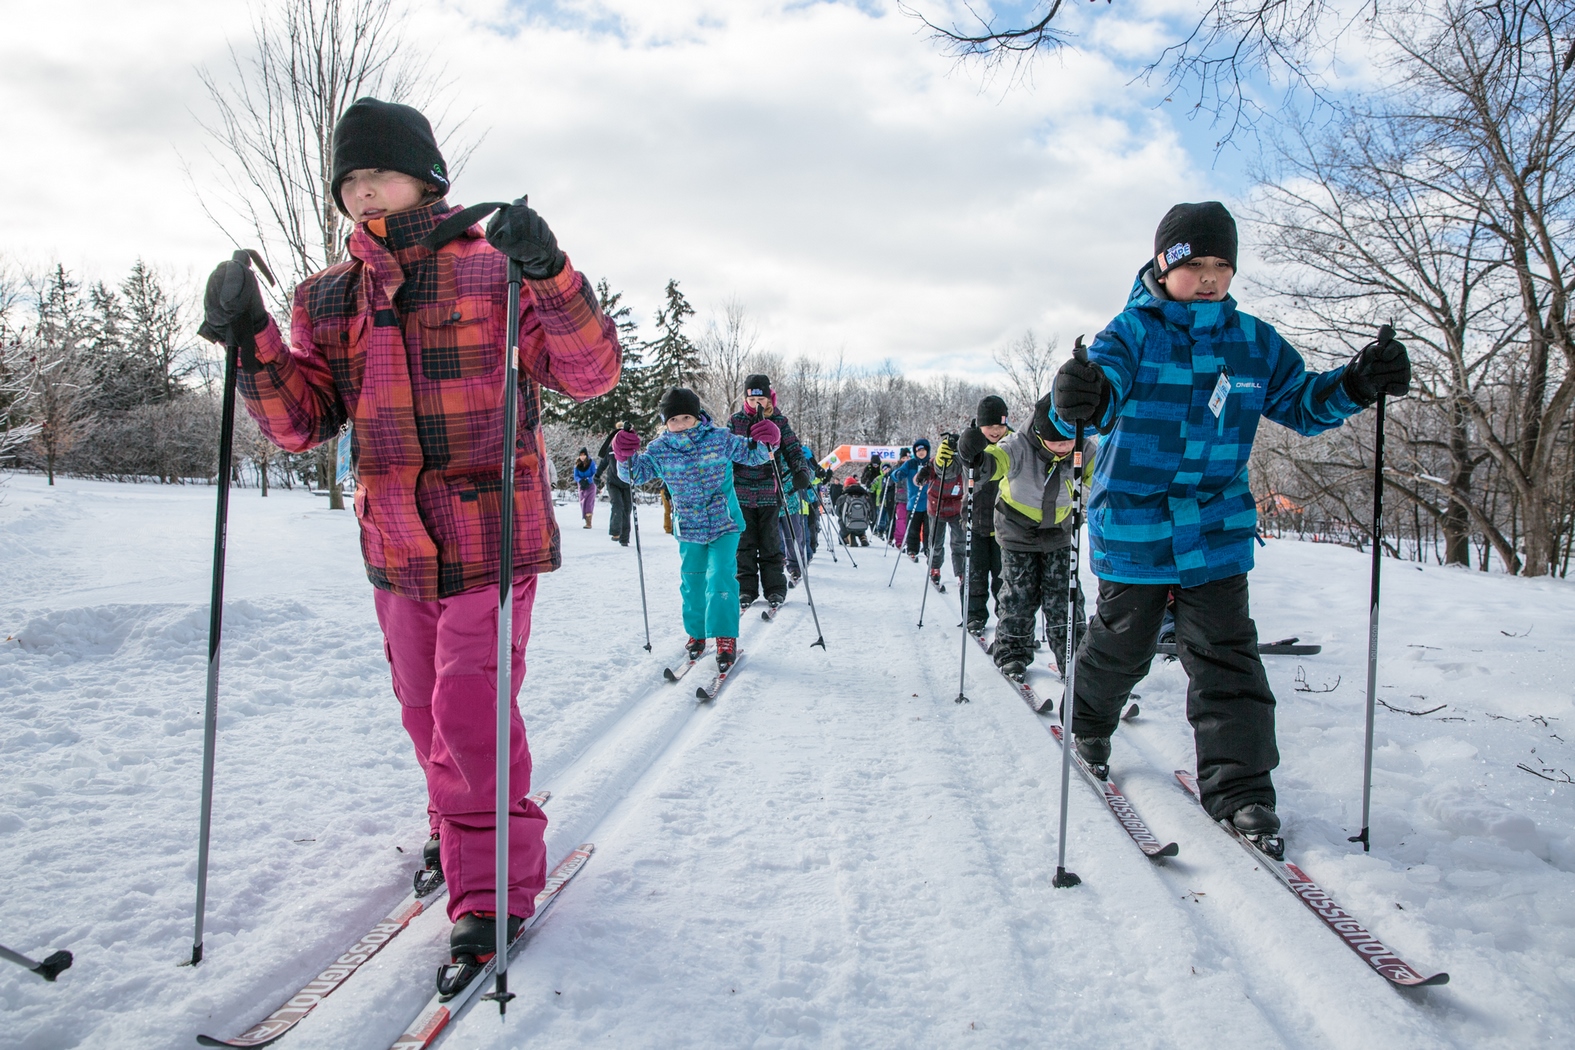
(1041, 426)
(1192, 231)
(373, 134)
(757, 385)
(991, 412)
(679, 401)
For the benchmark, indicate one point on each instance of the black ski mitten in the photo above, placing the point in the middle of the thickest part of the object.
(1382, 367)
(232, 307)
(1081, 390)
(524, 236)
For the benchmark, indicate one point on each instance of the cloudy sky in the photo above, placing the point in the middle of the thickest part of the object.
(820, 161)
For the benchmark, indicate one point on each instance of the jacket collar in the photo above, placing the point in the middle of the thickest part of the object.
(1198, 318)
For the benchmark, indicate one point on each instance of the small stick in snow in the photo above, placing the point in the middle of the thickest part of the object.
(1404, 711)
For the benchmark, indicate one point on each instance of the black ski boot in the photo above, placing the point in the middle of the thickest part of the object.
(976, 626)
(430, 877)
(1015, 669)
(695, 647)
(472, 942)
(1259, 822)
(1094, 750)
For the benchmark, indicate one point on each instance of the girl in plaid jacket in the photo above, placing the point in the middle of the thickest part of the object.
(406, 341)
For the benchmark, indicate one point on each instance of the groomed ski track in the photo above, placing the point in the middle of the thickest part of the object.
(833, 854)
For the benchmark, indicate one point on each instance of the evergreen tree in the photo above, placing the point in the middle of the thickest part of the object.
(677, 360)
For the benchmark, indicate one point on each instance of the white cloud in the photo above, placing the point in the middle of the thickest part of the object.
(820, 161)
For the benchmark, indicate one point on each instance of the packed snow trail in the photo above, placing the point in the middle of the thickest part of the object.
(832, 854)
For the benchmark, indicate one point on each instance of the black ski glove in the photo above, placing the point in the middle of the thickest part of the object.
(801, 481)
(233, 308)
(1081, 392)
(971, 446)
(518, 232)
(1381, 367)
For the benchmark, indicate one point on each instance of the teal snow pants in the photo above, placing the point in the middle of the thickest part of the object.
(709, 586)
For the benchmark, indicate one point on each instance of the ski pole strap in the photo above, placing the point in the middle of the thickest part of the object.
(458, 223)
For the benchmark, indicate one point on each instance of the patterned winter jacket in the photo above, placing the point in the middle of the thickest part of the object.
(697, 467)
(1170, 500)
(757, 485)
(408, 346)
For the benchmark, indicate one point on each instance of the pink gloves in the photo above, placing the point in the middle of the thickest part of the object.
(625, 444)
(766, 432)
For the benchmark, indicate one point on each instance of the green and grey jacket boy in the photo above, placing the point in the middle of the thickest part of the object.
(1033, 505)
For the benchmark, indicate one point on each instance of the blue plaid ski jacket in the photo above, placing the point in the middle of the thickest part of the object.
(1170, 500)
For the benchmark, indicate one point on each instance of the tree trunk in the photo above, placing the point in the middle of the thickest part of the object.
(1456, 521)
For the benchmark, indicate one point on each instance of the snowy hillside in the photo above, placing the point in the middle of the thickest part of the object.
(834, 854)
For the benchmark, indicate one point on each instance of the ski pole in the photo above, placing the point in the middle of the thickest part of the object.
(834, 535)
(234, 339)
(803, 566)
(49, 969)
(634, 517)
(895, 561)
(967, 519)
(929, 545)
(1385, 334)
(504, 798)
(825, 527)
(1063, 878)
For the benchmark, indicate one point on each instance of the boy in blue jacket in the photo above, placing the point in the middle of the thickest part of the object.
(694, 458)
(1179, 381)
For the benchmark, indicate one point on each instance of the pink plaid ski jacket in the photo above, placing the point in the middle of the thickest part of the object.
(408, 346)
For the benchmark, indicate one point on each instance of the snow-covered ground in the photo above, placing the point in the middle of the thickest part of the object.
(834, 854)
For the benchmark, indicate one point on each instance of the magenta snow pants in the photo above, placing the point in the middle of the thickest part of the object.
(901, 534)
(444, 659)
(588, 499)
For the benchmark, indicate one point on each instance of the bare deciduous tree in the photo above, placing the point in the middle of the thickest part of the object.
(1029, 366)
(1231, 44)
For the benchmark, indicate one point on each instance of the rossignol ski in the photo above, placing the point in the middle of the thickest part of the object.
(441, 1008)
(291, 1012)
(1121, 808)
(1374, 952)
(1283, 647)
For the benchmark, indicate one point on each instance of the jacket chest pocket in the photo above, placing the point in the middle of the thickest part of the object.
(458, 340)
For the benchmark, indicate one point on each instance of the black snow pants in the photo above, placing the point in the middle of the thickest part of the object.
(1229, 702)
(984, 576)
(918, 534)
(618, 528)
(760, 556)
(1033, 581)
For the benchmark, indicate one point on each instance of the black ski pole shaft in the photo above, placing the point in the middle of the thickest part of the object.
(962, 663)
(897, 560)
(634, 517)
(825, 526)
(929, 550)
(839, 537)
(210, 717)
(1064, 878)
(49, 969)
(803, 566)
(503, 798)
(1372, 622)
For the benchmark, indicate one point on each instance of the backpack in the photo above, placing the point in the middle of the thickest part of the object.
(856, 513)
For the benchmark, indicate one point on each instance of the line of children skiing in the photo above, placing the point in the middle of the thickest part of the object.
(406, 340)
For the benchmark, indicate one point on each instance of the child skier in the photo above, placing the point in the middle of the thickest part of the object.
(855, 513)
(694, 458)
(405, 339)
(984, 563)
(944, 508)
(761, 557)
(912, 496)
(1033, 524)
(1180, 380)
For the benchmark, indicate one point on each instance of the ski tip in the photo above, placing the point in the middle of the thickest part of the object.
(667, 673)
(1170, 850)
(1433, 981)
(1130, 713)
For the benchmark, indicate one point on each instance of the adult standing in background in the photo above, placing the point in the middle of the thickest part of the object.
(585, 479)
(619, 495)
